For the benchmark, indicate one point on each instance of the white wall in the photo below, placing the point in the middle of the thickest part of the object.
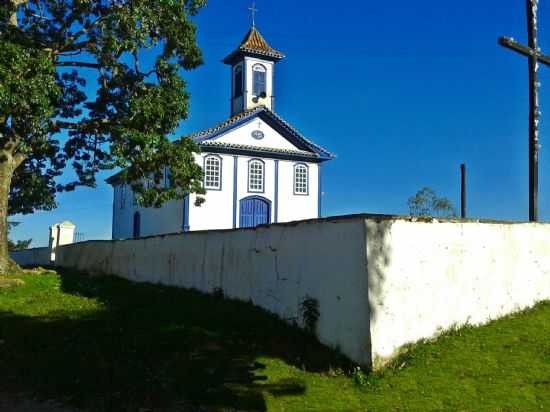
(269, 184)
(270, 66)
(425, 277)
(154, 221)
(39, 256)
(275, 267)
(217, 211)
(381, 282)
(243, 135)
(297, 207)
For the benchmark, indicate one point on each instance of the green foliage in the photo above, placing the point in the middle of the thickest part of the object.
(426, 203)
(45, 47)
(28, 95)
(20, 244)
(156, 348)
(111, 345)
(359, 377)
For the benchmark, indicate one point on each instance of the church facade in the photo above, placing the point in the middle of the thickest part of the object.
(258, 169)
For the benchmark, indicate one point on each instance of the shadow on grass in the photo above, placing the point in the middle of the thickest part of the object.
(153, 347)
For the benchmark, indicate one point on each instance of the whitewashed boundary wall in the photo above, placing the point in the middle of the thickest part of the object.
(380, 281)
(427, 276)
(276, 267)
(39, 256)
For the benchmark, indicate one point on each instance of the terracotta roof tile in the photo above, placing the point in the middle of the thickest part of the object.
(254, 43)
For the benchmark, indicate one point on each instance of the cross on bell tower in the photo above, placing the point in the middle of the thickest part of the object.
(253, 11)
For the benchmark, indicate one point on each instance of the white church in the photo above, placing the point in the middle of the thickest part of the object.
(258, 169)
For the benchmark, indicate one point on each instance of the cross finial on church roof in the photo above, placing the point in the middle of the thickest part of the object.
(253, 11)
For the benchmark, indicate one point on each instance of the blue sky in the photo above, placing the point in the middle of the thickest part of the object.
(403, 92)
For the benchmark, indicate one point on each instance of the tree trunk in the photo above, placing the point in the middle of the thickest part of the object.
(7, 166)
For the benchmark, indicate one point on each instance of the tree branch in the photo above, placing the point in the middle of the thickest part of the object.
(78, 64)
(59, 124)
(70, 45)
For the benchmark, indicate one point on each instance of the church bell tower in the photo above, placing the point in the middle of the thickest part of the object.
(252, 73)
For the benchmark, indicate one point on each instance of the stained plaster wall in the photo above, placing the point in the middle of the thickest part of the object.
(380, 281)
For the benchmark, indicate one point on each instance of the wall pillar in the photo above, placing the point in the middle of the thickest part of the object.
(60, 234)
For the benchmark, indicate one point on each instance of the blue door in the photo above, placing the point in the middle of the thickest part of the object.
(255, 211)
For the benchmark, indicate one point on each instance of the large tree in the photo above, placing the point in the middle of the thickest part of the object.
(132, 51)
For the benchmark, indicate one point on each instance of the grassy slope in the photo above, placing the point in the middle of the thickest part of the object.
(119, 346)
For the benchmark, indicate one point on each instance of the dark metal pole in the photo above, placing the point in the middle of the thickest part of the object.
(532, 6)
(463, 191)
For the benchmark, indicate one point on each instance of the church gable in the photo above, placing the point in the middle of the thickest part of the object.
(257, 133)
(260, 129)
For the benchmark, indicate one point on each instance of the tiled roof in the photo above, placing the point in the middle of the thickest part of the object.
(197, 136)
(202, 136)
(254, 43)
(224, 145)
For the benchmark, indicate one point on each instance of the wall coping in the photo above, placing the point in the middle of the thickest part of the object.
(30, 249)
(336, 219)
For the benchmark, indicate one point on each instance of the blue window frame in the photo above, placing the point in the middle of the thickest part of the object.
(256, 176)
(301, 179)
(259, 76)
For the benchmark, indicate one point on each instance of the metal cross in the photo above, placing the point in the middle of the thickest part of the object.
(253, 10)
(535, 57)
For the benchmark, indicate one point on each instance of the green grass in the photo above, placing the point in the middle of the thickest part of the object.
(110, 345)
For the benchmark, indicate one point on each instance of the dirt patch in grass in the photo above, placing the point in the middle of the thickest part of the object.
(14, 277)
(6, 282)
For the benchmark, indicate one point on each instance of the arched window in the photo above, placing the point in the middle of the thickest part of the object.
(259, 73)
(213, 172)
(137, 225)
(301, 179)
(255, 176)
(238, 84)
